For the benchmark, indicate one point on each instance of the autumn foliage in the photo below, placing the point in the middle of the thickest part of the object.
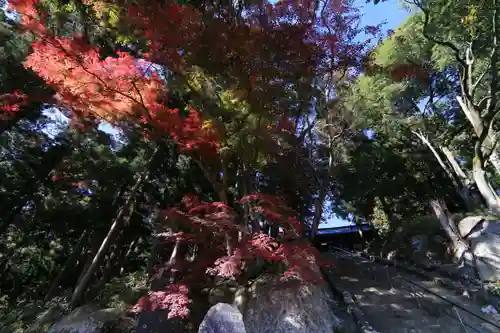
(11, 103)
(256, 58)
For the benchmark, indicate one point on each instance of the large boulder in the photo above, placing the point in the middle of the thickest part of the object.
(46, 318)
(466, 225)
(222, 318)
(86, 319)
(483, 237)
(158, 322)
(277, 307)
(485, 245)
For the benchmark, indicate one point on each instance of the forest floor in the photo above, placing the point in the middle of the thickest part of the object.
(393, 304)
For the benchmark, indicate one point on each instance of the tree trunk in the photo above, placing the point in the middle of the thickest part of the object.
(484, 187)
(483, 149)
(70, 262)
(114, 261)
(124, 214)
(318, 211)
(464, 180)
(459, 246)
(172, 261)
(95, 242)
(153, 257)
(451, 175)
(134, 247)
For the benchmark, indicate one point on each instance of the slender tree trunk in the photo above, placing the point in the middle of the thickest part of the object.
(459, 246)
(461, 250)
(125, 213)
(153, 256)
(456, 167)
(70, 262)
(451, 175)
(95, 242)
(133, 247)
(485, 131)
(464, 179)
(318, 211)
(172, 261)
(114, 261)
(484, 187)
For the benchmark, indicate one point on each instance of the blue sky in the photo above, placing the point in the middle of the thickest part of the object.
(389, 11)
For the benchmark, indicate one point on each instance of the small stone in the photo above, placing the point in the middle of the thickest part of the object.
(222, 318)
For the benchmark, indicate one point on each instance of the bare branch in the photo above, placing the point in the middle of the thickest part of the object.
(478, 82)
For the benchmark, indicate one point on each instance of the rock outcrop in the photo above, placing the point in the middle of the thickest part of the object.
(483, 237)
(222, 318)
(89, 319)
(85, 319)
(277, 307)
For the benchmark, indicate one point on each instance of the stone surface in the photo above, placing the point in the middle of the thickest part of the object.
(46, 318)
(466, 225)
(222, 318)
(274, 307)
(85, 319)
(157, 322)
(486, 249)
(483, 237)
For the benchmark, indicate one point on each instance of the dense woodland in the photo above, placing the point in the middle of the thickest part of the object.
(235, 127)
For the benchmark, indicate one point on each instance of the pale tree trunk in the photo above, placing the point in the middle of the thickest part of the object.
(318, 211)
(155, 247)
(172, 261)
(459, 246)
(101, 253)
(108, 268)
(89, 253)
(478, 169)
(464, 179)
(482, 130)
(133, 247)
(120, 220)
(461, 190)
(456, 167)
(484, 186)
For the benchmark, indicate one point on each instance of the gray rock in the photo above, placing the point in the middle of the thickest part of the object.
(275, 307)
(222, 318)
(46, 318)
(157, 322)
(484, 241)
(466, 225)
(486, 249)
(85, 319)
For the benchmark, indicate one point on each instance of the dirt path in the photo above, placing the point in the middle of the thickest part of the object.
(392, 304)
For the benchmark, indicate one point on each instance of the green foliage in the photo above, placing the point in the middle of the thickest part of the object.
(379, 219)
(124, 291)
(495, 290)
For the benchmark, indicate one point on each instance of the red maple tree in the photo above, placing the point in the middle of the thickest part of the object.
(295, 44)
